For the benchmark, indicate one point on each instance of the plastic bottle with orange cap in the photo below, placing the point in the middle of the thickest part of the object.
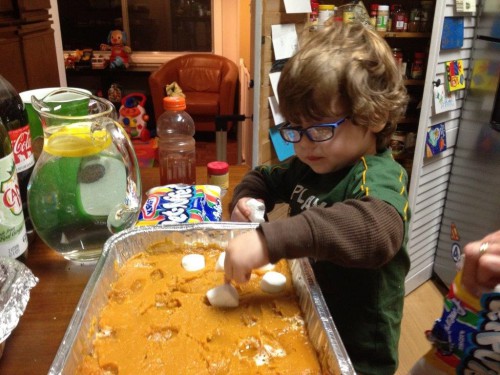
(176, 144)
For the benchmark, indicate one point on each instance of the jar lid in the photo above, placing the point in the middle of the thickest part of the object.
(326, 7)
(374, 6)
(217, 167)
(383, 7)
(174, 103)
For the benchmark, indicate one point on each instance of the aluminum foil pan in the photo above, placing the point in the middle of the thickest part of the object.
(77, 341)
(16, 281)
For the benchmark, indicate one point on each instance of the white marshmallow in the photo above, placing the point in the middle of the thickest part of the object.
(193, 262)
(266, 268)
(258, 210)
(273, 282)
(224, 295)
(219, 266)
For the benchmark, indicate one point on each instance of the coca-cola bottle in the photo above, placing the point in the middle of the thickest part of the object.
(15, 119)
(13, 239)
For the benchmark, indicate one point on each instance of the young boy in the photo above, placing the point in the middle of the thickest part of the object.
(343, 95)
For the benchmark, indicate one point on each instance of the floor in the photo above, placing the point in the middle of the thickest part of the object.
(206, 148)
(422, 307)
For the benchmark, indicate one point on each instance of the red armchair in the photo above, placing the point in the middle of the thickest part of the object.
(209, 82)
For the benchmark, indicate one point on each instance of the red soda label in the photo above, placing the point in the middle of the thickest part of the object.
(21, 147)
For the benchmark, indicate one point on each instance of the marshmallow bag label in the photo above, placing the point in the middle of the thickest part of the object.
(181, 203)
(466, 339)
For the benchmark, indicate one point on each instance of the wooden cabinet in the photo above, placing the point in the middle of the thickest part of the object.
(27, 48)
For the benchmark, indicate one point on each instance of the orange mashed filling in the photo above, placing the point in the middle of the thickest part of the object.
(159, 321)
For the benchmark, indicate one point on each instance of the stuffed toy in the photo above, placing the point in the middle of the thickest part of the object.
(117, 44)
(173, 89)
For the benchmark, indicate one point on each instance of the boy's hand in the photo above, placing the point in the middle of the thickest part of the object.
(241, 211)
(244, 253)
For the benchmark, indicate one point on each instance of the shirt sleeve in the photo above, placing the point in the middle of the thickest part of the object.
(360, 233)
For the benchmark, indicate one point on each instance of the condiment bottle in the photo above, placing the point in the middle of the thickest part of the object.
(325, 12)
(373, 14)
(176, 145)
(382, 17)
(13, 238)
(398, 19)
(418, 66)
(397, 53)
(218, 174)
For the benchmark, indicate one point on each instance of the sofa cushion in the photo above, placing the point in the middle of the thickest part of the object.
(202, 103)
(199, 79)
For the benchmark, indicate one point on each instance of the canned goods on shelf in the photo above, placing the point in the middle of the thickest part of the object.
(397, 144)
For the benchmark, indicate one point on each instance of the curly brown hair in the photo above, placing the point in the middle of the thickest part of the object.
(349, 65)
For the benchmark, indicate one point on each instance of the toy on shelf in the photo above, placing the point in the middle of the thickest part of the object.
(117, 44)
(99, 62)
(133, 116)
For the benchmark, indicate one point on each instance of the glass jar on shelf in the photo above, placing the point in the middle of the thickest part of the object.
(427, 15)
(348, 15)
(325, 12)
(398, 19)
(415, 20)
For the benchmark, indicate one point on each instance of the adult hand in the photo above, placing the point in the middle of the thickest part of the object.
(481, 270)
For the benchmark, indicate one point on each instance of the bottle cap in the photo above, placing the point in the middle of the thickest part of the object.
(174, 103)
(217, 167)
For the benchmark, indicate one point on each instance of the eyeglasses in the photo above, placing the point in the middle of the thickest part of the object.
(315, 133)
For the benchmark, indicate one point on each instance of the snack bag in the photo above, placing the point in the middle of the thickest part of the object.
(466, 339)
(181, 203)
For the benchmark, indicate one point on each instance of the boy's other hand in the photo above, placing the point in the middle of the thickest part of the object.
(241, 211)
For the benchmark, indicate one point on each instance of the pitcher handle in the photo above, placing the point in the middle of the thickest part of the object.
(125, 214)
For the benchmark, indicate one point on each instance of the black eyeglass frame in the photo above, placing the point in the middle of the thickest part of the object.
(286, 126)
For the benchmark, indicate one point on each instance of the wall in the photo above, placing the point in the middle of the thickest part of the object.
(273, 12)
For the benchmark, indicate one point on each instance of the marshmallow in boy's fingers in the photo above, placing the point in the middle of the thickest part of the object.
(266, 268)
(224, 295)
(273, 282)
(258, 210)
(193, 262)
(219, 266)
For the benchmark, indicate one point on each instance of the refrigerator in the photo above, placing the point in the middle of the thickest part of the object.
(472, 205)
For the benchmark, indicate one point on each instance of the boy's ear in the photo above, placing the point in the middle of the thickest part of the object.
(377, 128)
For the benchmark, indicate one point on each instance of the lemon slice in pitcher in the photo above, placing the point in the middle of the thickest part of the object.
(77, 140)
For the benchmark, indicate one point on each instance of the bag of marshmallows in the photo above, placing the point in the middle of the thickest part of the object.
(466, 338)
(181, 203)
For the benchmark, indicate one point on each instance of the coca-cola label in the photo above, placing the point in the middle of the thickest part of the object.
(21, 147)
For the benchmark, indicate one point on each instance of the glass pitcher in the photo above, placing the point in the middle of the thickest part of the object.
(86, 183)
